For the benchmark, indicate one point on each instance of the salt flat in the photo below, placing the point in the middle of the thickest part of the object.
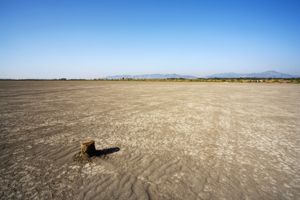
(177, 140)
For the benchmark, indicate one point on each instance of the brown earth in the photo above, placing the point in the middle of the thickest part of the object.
(176, 140)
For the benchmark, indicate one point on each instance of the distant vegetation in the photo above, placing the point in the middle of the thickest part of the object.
(230, 80)
(262, 77)
(225, 80)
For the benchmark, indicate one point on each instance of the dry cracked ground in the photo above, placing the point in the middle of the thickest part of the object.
(177, 140)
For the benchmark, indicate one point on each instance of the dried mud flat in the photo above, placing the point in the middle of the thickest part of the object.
(177, 140)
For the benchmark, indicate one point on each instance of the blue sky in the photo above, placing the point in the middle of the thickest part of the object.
(88, 39)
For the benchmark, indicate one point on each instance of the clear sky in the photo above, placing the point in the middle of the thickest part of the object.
(89, 39)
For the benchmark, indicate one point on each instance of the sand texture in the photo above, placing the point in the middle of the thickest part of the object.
(175, 140)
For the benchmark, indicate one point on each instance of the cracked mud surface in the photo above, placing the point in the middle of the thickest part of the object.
(177, 140)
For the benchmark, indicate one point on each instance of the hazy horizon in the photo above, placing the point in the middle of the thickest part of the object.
(115, 75)
(53, 39)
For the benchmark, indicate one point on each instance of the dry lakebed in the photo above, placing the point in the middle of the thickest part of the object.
(173, 140)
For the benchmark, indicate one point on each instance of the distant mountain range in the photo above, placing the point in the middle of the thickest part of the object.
(152, 76)
(266, 74)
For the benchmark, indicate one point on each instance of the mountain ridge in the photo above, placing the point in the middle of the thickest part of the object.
(265, 74)
(152, 76)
